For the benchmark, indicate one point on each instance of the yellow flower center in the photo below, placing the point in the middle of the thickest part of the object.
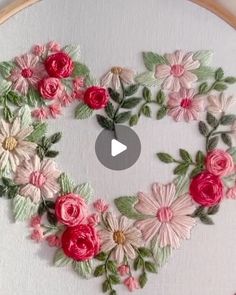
(10, 143)
(119, 237)
(116, 70)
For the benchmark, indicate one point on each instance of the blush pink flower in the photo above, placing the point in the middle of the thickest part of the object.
(53, 241)
(218, 104)
(231, 193)
(40, 113)
(100, 206)
(93, 219)
(35, 221)
(54, 110)
(38, 49)
(53, 46)
(219, 163)
(183, 105)
(131, 283)
(28, 72)
(177, 72)
(168, 219)
(37, 179)
(123, 270)
(37, 235)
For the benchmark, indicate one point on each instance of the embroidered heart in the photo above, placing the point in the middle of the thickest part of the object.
(87, 235)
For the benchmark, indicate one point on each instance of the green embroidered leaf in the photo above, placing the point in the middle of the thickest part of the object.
(80, 70)
(185, 155)
(130, 90)
(212, 143)
(40, 130)
(23, 208)
(7, 114)
(83, 268)
(150, 267)
(14, 98)
(228, 119)
(164, 157)
(4, 86)
(213, 210)
(133, 120)
(101, 256)
(99, 270)
(161, 255)
(110, 111)
(138, 263)
(204, 218)
(232, 152)
(114, 95)
(220, 87)
(146, 110)
(226, 139)
(55, 138)
(105, 286)
(66, 184)
(51, 154)
(204, 73)
(219, 74)
(25, 114)
(73, 51)
(83, 111)
(104, 122)
(33, 97)
(181, 169)
(196, 171)
(147, 95)
(204, 57)
(86, 191)
(112, 266)
(160, 97)
(162, 112)
(230, 80)
(142, 279)
(131, 102)
(200, 158)
(181, 185)
(60, 259)
(203, 129)
(126, 207)
(6, 68)
(211, 120)
(203, 88)
(229, 181)
(123, 117)
(151, 59)
(147, 79)
(145, 252)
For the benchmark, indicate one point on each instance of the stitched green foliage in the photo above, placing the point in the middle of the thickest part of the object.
(85, 190)
(204, 214)
(181, 185)
(147, 79)
(73, 51)
(23, 208)
(45, 144)
(25, 115)
(60, 259)
(66, 184)
(204, 57)
(40, 130)
(83, 111)
(151, 59)
(8, 188)
(6, 68)
(83, 268)
(4, 86)
(126, 207)
(161, 255)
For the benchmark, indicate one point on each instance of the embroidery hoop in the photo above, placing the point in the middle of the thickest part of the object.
(216, 8)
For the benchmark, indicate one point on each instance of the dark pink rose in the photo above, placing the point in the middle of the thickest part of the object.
(96, 97)
(59, 65)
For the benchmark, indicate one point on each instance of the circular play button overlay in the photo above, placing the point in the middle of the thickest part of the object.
(118, 150)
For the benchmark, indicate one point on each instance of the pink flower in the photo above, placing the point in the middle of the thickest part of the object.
(70, 209)
(231, 193)
(177, 72)
(100, 206)
(123, 270)
(218, 104)
(78, 91)
(38, 49)
(53, 241)
(37, 235)
(53, 46)
(93, 219)
(37, 179)
(35, 221)
(219, 163)
(131, 283)
(65, 99)
(28, 72)
(168, 219)
(183, 105)
(54, 110)
(50, 88)
(40, 113)
(59, 65)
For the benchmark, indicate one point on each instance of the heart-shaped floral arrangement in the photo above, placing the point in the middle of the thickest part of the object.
(87, 235)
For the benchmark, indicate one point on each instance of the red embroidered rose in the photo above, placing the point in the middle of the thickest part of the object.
(219, 163)
(96, 97)
(50, 88)
(81, 242)
(59, 65)
(70, 209)
(206, 189)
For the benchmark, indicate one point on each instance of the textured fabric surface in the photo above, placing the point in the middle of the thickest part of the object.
(115, 33)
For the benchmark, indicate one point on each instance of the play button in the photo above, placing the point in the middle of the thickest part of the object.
(118, 150)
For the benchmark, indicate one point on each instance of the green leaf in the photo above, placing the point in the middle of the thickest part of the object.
(14, 98)
(86, 191)
(33, 97)
(51, 217)
(226, 138)
(185, 155)
(131, 102)
(203, 129)
(130, 90)
(105, 286)
(150, 267)
(23, 208)
(200, 158)
(147, 95)
(147, 79)
(160, 98)
(113, 292)
(205, 219)
(40, 130)
(83, 111)
(204, 57)
(25, 114)
(146, 111)
(196, 171)
(213, 210)
(133, 120)
(142, 279)
(228, 119)
(99, 270)
(219, 74)
(211, 120)
(101, 256)
(230, 80)
(125, 205)
(55, 138)
(7, 181)
(73, 51)
(6, 68)
(60, 259)
(151, 59)
(112, 267)
(160, 255)
(51, 154)
(7, 114)
(204, 73)
(200, 210)
(4, 86)
(145, 252)
(161, 112)
(181, 169)
(80, 70)
(138, 263)
(114, 95)
(66, 184)
(110, 111)
(114, 280)
(220, 87)
(212, 143)
(123, 117)
(232, 152)
(83, 268)
(181, 185)
(164, 157)
(202, 88)
(104, 122)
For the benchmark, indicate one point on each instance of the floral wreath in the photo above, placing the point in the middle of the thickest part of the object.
(89, 237)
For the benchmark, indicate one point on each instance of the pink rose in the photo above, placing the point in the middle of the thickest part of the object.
(100, 206)
(219, 163)
(96, 97)
(81, 243)
(70, 209)
(50, 88)
(131, 283)
(59, 65)
(206, 189)
(123, 270)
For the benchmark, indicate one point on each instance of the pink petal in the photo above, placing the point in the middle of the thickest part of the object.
(149, 227)
(162, 71)
(147, 205)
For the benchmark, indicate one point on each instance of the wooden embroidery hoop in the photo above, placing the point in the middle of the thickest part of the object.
(211, 5)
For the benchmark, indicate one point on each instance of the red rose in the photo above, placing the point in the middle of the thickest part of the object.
(59, 65)
(206, 189)
(96, 97)
(80, 243)
(50, 88)
(70, 209)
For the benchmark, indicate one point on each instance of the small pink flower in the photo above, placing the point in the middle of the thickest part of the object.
(54, 110)
(183, 106)
(219, 163)
(131, 283)
(123, 270)
(40, 113)
(38, 49)
(231, 193)
(100, 205)
(66, 99)
(37, 235)
(53, 46)
(93, 219)
(53, 241)
(78, 83)
(35, 221)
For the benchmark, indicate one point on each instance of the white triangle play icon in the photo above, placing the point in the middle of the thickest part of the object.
(117, 147)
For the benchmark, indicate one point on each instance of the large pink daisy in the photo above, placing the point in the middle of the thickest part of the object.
(183, 105)
(169, 219)
(177, 72)
(28, 72)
